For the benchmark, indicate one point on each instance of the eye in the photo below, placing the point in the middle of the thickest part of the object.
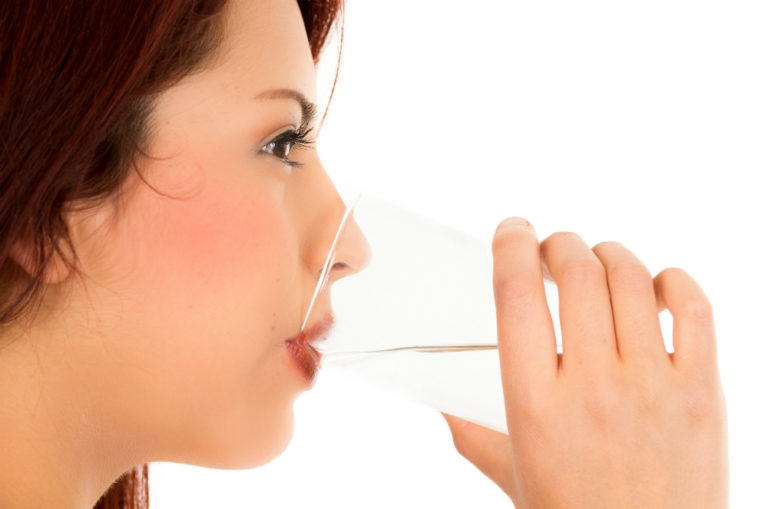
(282, 145)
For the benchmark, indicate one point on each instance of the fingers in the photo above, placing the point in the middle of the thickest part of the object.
(608, 308)
(489, 450)
(633, 299)
(693, 330)
(586, 318)
(527, 345)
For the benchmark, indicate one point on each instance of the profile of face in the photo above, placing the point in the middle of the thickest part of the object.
(173, 345)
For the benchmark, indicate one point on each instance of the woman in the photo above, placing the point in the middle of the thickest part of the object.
(164, 217)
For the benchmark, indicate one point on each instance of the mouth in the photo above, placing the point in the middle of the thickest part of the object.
(306, 357)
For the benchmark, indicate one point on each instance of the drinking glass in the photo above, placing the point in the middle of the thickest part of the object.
(420, 319)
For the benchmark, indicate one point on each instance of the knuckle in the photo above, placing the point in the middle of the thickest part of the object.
(601, 404)
(537, 424)
(700, 404)
(697, 310)
(632, 275)
(582, 269)
(514, 287)
(531, 411)
(599, 395)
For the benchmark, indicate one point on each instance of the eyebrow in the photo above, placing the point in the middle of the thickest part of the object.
(308, 109)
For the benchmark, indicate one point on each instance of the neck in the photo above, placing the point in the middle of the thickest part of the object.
(56, 451)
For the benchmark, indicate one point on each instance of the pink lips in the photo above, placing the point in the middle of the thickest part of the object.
(305, 356)
(316, 331)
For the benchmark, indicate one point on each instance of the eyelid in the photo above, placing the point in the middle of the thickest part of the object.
(277, 133)
(299, 137)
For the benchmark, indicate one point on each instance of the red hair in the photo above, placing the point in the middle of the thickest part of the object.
(76, 86)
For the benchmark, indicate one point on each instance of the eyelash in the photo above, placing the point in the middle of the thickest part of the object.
(294, 139)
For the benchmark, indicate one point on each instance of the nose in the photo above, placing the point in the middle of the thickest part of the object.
(352, 251)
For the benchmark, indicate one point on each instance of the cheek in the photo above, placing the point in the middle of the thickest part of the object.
(226, 254)
(222, 240)
(211, 276)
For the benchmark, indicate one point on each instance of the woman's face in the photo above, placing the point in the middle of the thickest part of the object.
(177, 334)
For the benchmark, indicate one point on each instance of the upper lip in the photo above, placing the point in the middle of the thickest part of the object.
(315, 332)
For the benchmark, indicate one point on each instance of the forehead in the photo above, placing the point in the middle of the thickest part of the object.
(268, 37)
(264, 47)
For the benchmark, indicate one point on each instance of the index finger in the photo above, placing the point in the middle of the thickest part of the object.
(527, 344)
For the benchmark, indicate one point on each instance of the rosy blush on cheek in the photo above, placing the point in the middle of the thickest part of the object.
(229, 238)
(223, 247)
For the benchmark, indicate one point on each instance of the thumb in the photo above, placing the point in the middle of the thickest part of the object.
(489, 450)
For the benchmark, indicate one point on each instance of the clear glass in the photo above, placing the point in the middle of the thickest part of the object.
(420, 319)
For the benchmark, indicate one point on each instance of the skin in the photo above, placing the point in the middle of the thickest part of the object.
(614, 421)
(172, 346)
(171, 349)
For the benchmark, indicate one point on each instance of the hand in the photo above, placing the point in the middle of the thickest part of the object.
(615, 421)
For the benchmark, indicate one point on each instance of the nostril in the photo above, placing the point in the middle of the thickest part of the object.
(339, 265)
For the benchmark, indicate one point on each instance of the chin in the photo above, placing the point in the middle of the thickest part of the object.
(255, 446)
(276, 443)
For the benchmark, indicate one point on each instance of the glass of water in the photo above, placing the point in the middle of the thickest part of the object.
(420, 319)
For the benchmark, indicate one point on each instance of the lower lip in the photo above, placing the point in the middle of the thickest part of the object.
(306, 359)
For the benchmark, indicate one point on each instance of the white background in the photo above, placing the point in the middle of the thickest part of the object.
(641, 122)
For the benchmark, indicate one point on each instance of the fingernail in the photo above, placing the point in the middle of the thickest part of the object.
(514, 221)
